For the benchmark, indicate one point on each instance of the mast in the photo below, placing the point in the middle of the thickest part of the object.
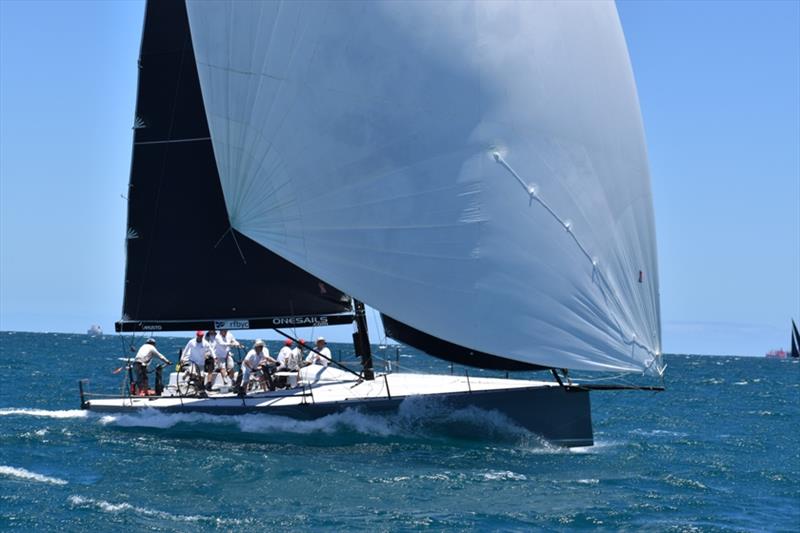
(361, 340)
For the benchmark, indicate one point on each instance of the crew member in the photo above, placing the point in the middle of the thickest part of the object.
(256, 360)
(194, 355)
(209, 365)
(140, 362)
(287, 359)
(298, 352)
(316, 358)
(223, 362)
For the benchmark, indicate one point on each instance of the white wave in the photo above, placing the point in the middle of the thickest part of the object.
(21, 473)
(413, 417)
(259, 423)
(35, 434)
(416, 417)
(680, 482)
(599, 446)
(44, 413)
(109, 507)
(588, 481)
(659, 433)
(504, 475)
(444, 476)
(348, 420)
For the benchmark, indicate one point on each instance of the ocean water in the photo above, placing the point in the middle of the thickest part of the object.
(718, 451)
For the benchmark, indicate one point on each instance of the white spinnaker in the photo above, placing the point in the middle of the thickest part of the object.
(380, 146)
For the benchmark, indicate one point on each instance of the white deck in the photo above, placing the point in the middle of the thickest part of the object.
(320, 385)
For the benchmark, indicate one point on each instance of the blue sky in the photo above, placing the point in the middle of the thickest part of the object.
(719, 85)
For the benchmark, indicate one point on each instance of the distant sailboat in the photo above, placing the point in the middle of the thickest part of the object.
(475, 171)
(780, 353)
(95, 331)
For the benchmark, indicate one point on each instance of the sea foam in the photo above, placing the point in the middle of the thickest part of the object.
(109, 507)
(21, 473)
(44, 413)
(415, 418)
(351, 420)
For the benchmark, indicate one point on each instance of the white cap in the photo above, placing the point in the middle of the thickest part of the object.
(320, 339)
(258, 342)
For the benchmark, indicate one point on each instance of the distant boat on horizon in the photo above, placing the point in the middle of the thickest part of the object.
(95, 331)
(795, 342)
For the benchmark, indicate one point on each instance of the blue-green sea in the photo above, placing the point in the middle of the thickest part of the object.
(718, 451)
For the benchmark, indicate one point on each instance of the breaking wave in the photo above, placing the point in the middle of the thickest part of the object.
(21, 473)
(351, 420)
(109, 507)
(44, 413)
(416, 418)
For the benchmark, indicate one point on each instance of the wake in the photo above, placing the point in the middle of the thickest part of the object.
(416, 418)
(44, 413)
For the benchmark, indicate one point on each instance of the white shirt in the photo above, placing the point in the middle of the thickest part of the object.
(253, 358)
(146, 353)
(289, 358)
(222, 345)
(316, 359)
(298, 353)
(196, 352)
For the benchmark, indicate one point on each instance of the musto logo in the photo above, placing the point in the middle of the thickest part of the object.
(231, 324)
(300, 321)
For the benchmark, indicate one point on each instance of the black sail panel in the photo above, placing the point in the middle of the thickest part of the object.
(448, 351)
(795, 340)
(184, 262)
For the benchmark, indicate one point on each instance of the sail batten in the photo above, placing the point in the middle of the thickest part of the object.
(382, 146)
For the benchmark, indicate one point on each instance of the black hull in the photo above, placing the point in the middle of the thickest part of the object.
(559, 416)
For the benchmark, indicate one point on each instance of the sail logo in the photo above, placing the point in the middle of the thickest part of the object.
(231, 324)
(152, 327)
(300, 321)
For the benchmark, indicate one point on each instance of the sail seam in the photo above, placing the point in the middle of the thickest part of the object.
(171, 141)
(597, 274)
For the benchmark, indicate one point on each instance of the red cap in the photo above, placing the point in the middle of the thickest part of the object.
(302, 341)
(288, 342)
(199, 333)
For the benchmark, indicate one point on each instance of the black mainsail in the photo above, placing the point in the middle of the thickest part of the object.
(186, 267)
(795, 340)
(449, 351)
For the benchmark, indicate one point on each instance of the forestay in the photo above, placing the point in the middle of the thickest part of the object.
(476, 170)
